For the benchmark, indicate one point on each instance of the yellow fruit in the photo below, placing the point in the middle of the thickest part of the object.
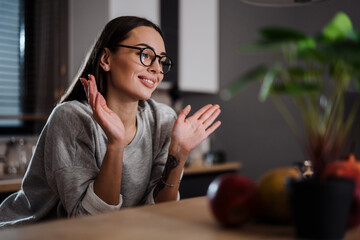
(273, 198)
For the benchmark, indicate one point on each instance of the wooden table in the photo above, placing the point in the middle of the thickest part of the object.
(184, 220)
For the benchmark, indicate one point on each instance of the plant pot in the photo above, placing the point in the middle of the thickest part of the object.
(321, 210)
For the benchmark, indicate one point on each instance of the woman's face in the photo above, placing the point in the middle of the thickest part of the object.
(128, 77)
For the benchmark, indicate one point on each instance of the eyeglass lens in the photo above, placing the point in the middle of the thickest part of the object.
(148, 56)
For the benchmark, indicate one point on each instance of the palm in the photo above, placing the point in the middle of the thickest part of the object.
(190, 132)
(107, 119)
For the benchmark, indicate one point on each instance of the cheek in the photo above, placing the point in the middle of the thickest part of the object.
(128, 66)
(123, 69)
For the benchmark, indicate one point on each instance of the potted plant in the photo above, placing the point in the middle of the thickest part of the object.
(314, 72)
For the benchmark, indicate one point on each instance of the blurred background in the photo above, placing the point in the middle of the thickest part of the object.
(43, 43)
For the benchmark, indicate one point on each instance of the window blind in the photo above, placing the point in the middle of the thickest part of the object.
(11, 55)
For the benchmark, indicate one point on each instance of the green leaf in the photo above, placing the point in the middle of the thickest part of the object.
(300, 74)
(339, 28)
(316, 55)
(268, 81)
(273, 38)
(281, 34)
(297, 72)
(255, 74)
(357, 84)
(308, 43)
(347, 49)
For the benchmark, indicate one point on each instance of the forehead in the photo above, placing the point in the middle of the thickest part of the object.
(146, 35)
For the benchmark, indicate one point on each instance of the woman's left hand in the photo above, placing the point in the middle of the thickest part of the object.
(189, 132)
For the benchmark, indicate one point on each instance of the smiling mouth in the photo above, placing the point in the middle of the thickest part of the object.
(148, 82)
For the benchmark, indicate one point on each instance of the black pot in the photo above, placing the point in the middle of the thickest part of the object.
(321, 210)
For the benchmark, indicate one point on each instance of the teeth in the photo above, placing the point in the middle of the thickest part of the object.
(149, 81)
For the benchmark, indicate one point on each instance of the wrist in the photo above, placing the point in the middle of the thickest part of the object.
(115, 146)
(179, 152)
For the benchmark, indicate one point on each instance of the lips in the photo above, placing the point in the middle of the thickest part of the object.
(148, 82)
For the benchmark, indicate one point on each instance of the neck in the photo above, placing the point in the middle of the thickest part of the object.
(126, 110)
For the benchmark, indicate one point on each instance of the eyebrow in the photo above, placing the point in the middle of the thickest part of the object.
(146, 45)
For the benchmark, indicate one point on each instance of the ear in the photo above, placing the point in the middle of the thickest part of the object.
(105, 60)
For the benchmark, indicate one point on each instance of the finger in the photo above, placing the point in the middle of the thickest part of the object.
(97, 105)
(184, 113)
(103, 103)
(92, 90)
(101, 116)
(201, 111)
(211, 129)
(98, 110)
(208, 113)
(86, 87)
(212, 118)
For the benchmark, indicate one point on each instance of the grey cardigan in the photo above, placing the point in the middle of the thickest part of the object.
(67, 159)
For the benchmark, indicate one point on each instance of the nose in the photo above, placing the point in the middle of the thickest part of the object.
(155, 67)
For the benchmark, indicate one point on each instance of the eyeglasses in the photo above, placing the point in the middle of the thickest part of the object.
(148, 57)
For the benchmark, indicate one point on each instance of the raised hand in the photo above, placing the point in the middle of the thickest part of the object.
(107, 119)
(189, 132)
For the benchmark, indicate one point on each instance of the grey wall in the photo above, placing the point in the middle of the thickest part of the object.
(254, 133)
(86, 20)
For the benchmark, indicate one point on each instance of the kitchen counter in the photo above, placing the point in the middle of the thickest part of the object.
(197, 178)
(220, 167)
(10, 184)
(186, 219)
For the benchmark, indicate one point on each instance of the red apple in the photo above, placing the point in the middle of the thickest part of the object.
(232, 199)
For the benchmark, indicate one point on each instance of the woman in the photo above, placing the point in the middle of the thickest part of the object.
(107, 145)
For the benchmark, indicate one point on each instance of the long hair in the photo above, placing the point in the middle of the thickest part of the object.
(115, 31)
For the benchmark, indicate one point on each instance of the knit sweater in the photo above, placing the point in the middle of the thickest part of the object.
(68, 156)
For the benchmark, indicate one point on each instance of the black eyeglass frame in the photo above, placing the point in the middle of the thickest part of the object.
(152, 60)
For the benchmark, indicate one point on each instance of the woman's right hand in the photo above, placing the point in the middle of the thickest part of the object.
(107, 119)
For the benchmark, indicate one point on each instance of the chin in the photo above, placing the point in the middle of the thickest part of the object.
(144, 94)
(145, 97)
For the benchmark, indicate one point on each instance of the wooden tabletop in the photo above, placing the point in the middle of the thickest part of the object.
(184, 220)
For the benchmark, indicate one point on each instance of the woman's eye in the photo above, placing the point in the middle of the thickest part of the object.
(145, 55)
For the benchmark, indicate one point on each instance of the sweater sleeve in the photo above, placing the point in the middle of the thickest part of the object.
(70, 154)
(76, 192)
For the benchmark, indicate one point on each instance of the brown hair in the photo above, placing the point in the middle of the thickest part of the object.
(115, 31)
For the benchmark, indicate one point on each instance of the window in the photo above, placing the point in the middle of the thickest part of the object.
(11, 59)
(33, 62)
